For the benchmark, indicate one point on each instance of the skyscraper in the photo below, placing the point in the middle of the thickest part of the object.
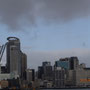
(13, 62)
(47, 70)
(40, 72)
(23, 65)
(74, 63)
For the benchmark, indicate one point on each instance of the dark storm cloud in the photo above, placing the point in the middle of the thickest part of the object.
(16, 13)
(13, 12)
(65, 10)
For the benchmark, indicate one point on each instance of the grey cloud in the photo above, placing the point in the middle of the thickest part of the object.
(64, 10)
(16, 13)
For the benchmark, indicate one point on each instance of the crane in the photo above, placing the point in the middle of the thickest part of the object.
(2, 49)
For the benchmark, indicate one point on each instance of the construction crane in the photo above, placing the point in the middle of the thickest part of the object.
(2, 49)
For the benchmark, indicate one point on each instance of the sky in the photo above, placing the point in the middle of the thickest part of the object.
(48, 29)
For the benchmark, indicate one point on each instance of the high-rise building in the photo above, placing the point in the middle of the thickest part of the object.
(40, 72)
(15, 61)
(33, 74)
(59, 77)
(47, 70)
(74, 63)
(46, 63)
(23, 65)
(13, 53)
(64, 63)
(71, 63)
(30, 75)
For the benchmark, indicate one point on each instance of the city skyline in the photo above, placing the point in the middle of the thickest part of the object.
(56, 55)
(50, 38)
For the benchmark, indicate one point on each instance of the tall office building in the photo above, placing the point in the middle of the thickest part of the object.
(47, 73)
(47, 70)
(59, 77)
(23, 65)
(40, 72)
(74, 63)
(15, 60)
(71, 63)
(30, 75)
(13, 53)
(64, 63)
(46, 63)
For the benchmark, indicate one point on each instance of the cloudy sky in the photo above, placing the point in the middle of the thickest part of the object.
(48, 29)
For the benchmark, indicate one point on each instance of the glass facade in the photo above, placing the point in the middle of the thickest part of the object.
(63, 64)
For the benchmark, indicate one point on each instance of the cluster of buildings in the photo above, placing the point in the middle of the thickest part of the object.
(65, 73)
